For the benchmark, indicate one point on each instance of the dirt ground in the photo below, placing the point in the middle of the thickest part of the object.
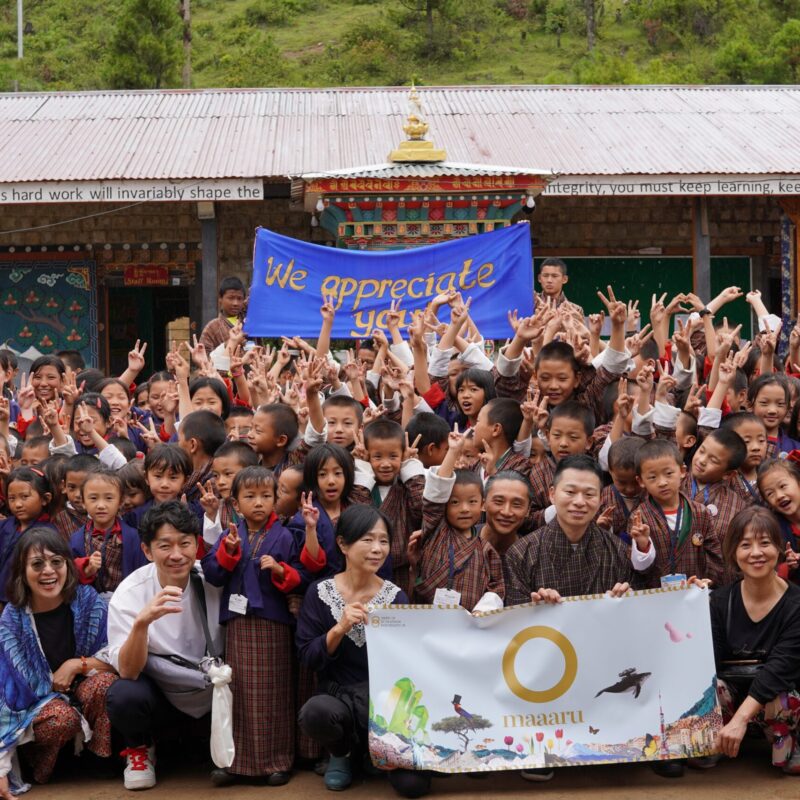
(750, 777)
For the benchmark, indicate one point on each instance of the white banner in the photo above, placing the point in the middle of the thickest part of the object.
(131, 191)
(649, 185)
(593, 680)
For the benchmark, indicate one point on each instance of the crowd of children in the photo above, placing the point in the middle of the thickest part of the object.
(464, 455)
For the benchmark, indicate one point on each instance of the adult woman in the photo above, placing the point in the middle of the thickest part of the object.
(756, 628)
(331, 640)
(50, 631)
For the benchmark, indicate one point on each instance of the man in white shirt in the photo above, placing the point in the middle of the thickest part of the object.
(157, 612)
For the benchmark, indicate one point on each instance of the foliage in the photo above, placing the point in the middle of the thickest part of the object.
(462, 727)
(784, 49)
(145, 48)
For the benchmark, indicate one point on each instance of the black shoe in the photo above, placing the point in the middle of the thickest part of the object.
(669, 769)
(221, 777)
(279, 778)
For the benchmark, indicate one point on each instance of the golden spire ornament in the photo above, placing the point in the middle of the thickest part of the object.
(416, 148)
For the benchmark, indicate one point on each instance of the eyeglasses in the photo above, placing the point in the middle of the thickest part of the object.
(56, 562)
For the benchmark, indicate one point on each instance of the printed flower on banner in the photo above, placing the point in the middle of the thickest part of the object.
(75, 307)
(45, 341)
(25, 333)
(49, 279)
(74, 336)
(32, 297)
(10, 300)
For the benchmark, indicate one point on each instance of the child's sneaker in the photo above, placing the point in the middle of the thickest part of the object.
(140, 770)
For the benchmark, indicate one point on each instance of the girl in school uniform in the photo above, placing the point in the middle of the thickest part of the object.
(256, 564)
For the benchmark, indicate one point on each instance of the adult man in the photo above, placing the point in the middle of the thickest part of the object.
(572, 555)
(156, 615)
(553, 278)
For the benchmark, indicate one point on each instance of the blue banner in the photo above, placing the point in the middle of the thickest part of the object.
(290, 277)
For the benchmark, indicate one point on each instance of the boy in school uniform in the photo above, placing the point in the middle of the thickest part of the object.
(454, 564)
(200, 435)
(433, 432)
(624, 495)
(73, 516)
(395, 478)
(681, 529)
(231, 304)
(496, 430)
(553, 278)
(275, 428)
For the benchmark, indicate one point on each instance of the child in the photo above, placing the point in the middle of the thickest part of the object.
(714, 463)
(330, 476)
(28, 497)
(106, 549)
(289, 492)
(229, 460)
(256, 564)
(779, 484)
(275, 427)
(34, 451)
(238, 423)
(231, 304)
(625, 494)
(496, 429)
(395, 478)
(134, 486)
(681, 529)
(96, 406)
(568, 433)
(166, 469)
(455, 566)
(200, 435)
(769, 399)
(553, 278)
(432, 432)
(754, 434)
(210, 394)
(74, 516)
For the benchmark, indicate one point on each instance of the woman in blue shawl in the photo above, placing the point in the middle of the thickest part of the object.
(52, 687)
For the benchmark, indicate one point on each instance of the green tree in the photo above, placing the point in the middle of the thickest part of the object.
(462, 727)
(784, 51)
(739, 60)
(145, 48)
(253, 59)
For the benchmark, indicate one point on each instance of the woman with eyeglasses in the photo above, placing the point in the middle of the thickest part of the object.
(52, 685)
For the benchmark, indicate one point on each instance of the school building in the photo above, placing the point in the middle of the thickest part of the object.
(121, 211)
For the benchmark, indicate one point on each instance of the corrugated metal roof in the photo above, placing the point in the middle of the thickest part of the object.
(410, 170)
(568, 130)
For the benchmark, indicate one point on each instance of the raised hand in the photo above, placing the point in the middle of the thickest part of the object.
(410, 450)
(94, 564)
(360, 449)
(232, 540)
(136, 357)
(414, 548)
(371, 414)
(694, 400)
(70, 391)
(616, 309)
(309, 511)
(624, 401)
(635, 343)
(596, 322)
(167, 601)
(208, 500)
(268, 562)
(353, 614)
(328, 308)
(393, 316)
(456, 440)
(791, 557)
(606, 518)
(639, 531)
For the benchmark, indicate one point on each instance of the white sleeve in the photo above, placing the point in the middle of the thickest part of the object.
(523, 447)
(342, 391)
(773, 322)
(474, 356)
(709, 417)
(211, 530)
(422, 406)
(403, 352)
(666, 416)
(392, 403)
(112, 458)
(439, 361)
(549, 514)
(683, 376)
(438, 489)
(615, 361)
(602, 456)
(410, 468)
(507, 367)
(642, 561)
(642, 423)
(313, 437)
(374, 378)
(66, 449)
(120, 624)
(365, 475)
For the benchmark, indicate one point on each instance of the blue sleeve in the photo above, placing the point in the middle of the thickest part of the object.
(213, 571)
(312, 630)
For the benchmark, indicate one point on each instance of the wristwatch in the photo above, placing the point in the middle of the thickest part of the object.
(705, 312)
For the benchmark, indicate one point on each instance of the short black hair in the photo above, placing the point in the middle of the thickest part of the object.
(107, 475)
(205, 426)
(740, 382)
(482, 378)
(243, 453)
(91, 378)
(343, 401)
(734, 421)
(357, 521)
(82, 462)
(768, 379)
(168, 456)
(33, 476)
(510, 475)
(283, 419)
(132, 477)
(582, 462)
(383, 430)
(125, 446)
(106, 382)
(48, 361)
(55, 470)
(506, 412)
(468, 477)
(8, 359)
(657, 448)
(231, 284)
(558, 351)
(553, 262)
(250, 477)
(95, 401)
(431, 427)
(171, 512)
(36, 441)
(72, 358)
(240, 411)
(318, 455)
(216, 386)
(733, 444)
(622, 454)
(572, 409)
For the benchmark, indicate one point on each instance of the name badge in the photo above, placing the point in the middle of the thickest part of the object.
(238, 604)
(447, 597)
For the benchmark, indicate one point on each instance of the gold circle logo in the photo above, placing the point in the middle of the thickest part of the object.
(570, 664)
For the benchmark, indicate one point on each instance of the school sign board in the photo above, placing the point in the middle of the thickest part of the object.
(593, 680)
(291, 277)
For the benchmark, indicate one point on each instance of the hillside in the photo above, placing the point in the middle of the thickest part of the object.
(73, 43)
